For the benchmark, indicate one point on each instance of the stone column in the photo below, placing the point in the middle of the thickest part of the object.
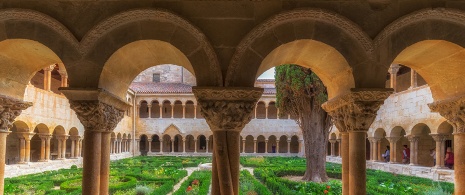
(227, 111)
(150, 110)
(76, 147)
(172, 146)
(254, 146)
(206, 151)
(374, 155)
(99, 112)
(112, 146)
(195, 111)
(184, 145)
(63, 145)
(277, 114)
(150, 145)
(339, 147)
(277, 145)
(333, 147)
(47, 147)
(413, 79)
(64, 78)
(172, 110)
(183, 111)
(354, 112)
(48, 77)
(243, 145)
(393, 72)
(380, 157)
(393, 149)
(255, 111)
(413, 149)
(440, 140)
(10, 108)
(161, 146)
(42, 148)
(195, 144)
(266, 112)
(288, 146)
(22, 150)
(73, 142)
(266, 146)
(59, 148)
(161, 110)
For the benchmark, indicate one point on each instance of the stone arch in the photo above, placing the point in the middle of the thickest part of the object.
(272, 110)
(177, 110)
(260, 110)
(190, 144)
(282, 142)
(202, 143)
(143, 144)
(24, 51)
(272, 143)
(155, 109)
(249, 144)
(42, 129)
(172, 130)
(73, 131)
(332, 136)
(166, 109)
(155, 143)
(293, 48)
(295, 144)
(428, 41)
(20, 126)
(445, 128)
(143, 109)
(59, 130)
(261, 144)
(12, 152)
(165, 38)
(190, 110)
(398, 132)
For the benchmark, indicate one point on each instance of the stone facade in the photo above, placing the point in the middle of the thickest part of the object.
(168, 74)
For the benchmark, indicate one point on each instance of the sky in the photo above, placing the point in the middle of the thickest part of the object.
(269, 74)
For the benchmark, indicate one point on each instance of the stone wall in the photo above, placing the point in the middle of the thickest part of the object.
(168, 74)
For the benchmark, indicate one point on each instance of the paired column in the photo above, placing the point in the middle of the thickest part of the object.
(161, 146)
(393, 149)
(440, 140)
(227, 111)
(195, 144)
(172, 145)
(150, 145)
(288, 146)
(266, 146)
(10, 108)
(184, 144)
(393, 72)
(353, 113)
(413, 149)
(243, 145)
(48, 77)
(333, 147)
(207, 146)
(64, 78)
(99, 112)
(374, 148)
(254, 146)
(150, 110)
(413, 79)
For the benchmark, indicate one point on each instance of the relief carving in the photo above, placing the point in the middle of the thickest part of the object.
(10, 108)
(96, 115)
(453, 110)
(227, 108)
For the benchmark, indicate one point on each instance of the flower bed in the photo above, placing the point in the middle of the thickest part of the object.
(197, 183)
(248, 185)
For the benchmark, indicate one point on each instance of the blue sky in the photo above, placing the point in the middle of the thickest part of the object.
(269, 74)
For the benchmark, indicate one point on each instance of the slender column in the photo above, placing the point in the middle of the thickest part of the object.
(63, 145)
(195, 111)
(413, 149)
(393, 72)
(288, 146)
(59, 148)
(339, 147)
(375, 149)
(184, 144)
(172, 146)
(172, 110)
(28, 138)
(380, 154)
(183, 111)
(266, 112)
(161, 146)
(161, 111)
(112, 146)
(105, 162)
(227, 111)
(254, 146)
(393, 149)
(64, 78)
(47, 147)
(277, 113)
(277, 146)
(266, 146)
(440, 140)
(76, 147)
(22, 150)
(413, 79)
(42, 148)
(48, 77)
(10, 109)
(333, 147)
(243, 145)
(195, 144)
(119, 146)
(80, 147)
(150, 145)
(207, 146)
(73, 142)
(150, 110)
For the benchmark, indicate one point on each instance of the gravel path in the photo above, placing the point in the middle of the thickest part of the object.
(189, 172)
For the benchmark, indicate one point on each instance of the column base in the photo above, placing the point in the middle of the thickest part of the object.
(22, 162)
(42, 160)
(60, 158)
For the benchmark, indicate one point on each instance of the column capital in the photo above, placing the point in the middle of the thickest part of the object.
(413, 138)
(440, 137)
(97, 109)
(452, 109)
(74, 137)
(26, 135)
(333, 141)
(228, 108)
(50, 67)
(45, 136)
(10, 108)
(63, 137)
(63, 73)
(393, 69)
(393, 139)
(356, 110)
(149, 140)
(339, 140)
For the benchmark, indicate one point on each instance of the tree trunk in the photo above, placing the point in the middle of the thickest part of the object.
(315, 133)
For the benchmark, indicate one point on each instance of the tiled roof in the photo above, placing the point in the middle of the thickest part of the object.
(151, 87)
(164, 88)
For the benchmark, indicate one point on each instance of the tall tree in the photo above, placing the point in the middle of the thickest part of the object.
(300, 93)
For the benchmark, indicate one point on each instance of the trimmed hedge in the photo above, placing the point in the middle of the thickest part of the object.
(248, 183)
(204, 178)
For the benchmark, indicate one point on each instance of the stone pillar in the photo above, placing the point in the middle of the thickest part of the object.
(48, 77)
(112, 146)
(195, 144)
(10, 108)
(413, 149)
(73, 143)
(150, 145)
(99, 112)
(413, 79)
(380, 150)
(227, 111)
(76, 147)
(393, 149)
(354, 112)
(172, 146)
(277, 145)
(333, 147)
(59, 148)
(161, 110)
(254, 146)
(63, 145)
(47, 147)
(22, 150)
(393, 72)
(150, 110)
(183, 111)
(288, 146)
(195, 111)
(255, 111)
(161, 146)
(42, 148)
(206, 151)
(277, 114)
(172, 110)
(374, 154)
(184, 145)
(266, 112)
(64, 78)
(243, 145)
(339, 147)
(266, 146)
(440, 140)
(80, 147)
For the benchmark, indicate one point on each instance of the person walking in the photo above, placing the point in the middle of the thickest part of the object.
(387, 154)
(406, 155)
(432, 153)
(449, 160)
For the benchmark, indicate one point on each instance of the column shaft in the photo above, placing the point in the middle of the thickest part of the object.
(375, 150)
(184, 144)
(42, 149)
(195, 144)
(172, 145)
(345, 162)
(105, 162)
(63, 150)
(76, 148)
(150, 145)
(28, 149)
(73, 142)
(226, 162)
(254, 146)
(459, 163)
(22, 150)
(91, 162)
(47, 148)
(150, 111)
(206, 151)
(266, 146)
(357, 162)
(289, 146)
(3, 134)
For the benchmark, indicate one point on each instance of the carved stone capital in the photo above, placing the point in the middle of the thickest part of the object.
(453, 110)
(373, 139)
(227, 108)
(393, 139)
(355, 111)
(50, 68)
(413, 138)
(332, 141)
(45, 136)
(440, 137)
(10, 108)
(393, 69)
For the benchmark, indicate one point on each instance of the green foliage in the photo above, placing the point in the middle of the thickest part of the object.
(74, 167)
(296, 84)
(249, 185)
(201, 186)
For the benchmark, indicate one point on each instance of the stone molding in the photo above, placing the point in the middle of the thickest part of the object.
(96, 115)
(356, 111)
(413, 138)
(440, 137)
(227, 108)
(393, 139)
(10, 108)
(453, 110)
(394, 69)
(321, 15)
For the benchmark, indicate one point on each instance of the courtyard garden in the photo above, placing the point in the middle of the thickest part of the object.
(262, 176)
